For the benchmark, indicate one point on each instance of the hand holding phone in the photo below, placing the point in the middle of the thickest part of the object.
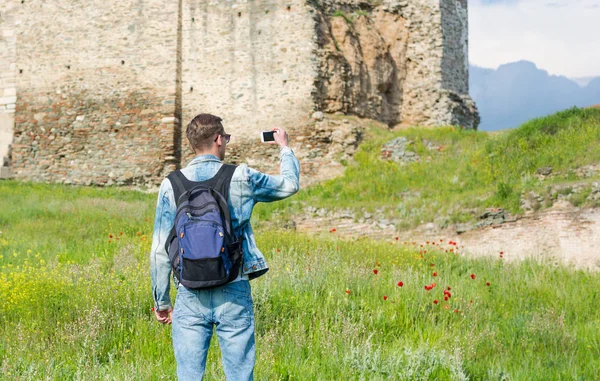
(275, 136)
(267, 136)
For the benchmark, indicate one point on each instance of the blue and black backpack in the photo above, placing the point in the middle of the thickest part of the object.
(203, 249)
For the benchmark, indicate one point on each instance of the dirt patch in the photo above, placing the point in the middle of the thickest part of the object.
(562, 235)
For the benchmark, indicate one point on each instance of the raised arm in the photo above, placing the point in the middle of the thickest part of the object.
(267, 188)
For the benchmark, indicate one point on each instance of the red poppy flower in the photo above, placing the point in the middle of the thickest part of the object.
(400, 284)
(397, 238)
(448, 288)
(446, 298)
(110, 236)
(348, 291)
(433, 285)
(487, 283)
(333, 230)
(456, 311)
(375, 271)
(431, 264)
(434, 273)
(384, 297)
(152, 309)
(435, 301)
(472, 276)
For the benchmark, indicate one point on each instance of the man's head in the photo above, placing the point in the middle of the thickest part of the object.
(207, 135)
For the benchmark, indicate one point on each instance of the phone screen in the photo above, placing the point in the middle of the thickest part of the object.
(267, 136)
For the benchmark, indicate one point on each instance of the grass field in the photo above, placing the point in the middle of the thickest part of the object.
(75, 300)
(75, 303)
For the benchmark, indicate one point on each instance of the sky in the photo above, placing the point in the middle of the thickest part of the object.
(559, 36)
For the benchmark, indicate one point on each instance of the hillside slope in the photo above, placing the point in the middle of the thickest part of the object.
(423, 183)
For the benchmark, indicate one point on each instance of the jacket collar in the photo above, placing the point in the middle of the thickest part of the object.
(203, 159)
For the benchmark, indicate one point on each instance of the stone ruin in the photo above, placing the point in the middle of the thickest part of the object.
(99, 92)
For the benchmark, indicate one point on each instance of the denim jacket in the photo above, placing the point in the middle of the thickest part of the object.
(248, 187)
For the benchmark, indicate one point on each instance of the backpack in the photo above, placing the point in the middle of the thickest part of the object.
(202, 247)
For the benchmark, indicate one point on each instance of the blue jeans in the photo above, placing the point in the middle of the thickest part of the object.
(230, 309)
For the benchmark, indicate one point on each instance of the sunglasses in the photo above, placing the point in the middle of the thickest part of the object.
(226, 136)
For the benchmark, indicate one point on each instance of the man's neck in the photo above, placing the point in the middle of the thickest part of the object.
(209, 152)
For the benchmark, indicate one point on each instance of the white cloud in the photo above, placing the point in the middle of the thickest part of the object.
(560, 36)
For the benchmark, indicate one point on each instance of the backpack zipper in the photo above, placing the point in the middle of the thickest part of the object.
(196, 216)
(194, 220)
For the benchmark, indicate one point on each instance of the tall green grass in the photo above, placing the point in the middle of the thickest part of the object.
(473, 170)
(75, 306)
(77, 224)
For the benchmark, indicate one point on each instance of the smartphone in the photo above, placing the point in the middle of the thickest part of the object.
(267, 136)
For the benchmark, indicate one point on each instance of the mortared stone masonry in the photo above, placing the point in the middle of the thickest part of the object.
(100, 91)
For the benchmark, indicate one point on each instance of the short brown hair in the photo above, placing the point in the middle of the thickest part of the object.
(202, 129)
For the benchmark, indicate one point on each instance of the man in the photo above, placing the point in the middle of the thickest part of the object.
(228, 307)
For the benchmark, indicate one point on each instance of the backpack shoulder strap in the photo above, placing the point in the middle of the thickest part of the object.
(224, 179)
(221, 186)
(220, 182)
(178, 182)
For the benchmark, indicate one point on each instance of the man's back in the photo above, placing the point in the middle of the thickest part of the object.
(228, 307)
(247, 187)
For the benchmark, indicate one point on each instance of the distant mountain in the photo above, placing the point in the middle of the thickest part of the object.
(583, 81)
(519, 91)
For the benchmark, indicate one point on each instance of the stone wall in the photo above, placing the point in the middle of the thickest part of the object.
(105, 89)
(395, 61)
(96, 90)
(250, 62)
(8, 91)
(435, 92)
(455, 37)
